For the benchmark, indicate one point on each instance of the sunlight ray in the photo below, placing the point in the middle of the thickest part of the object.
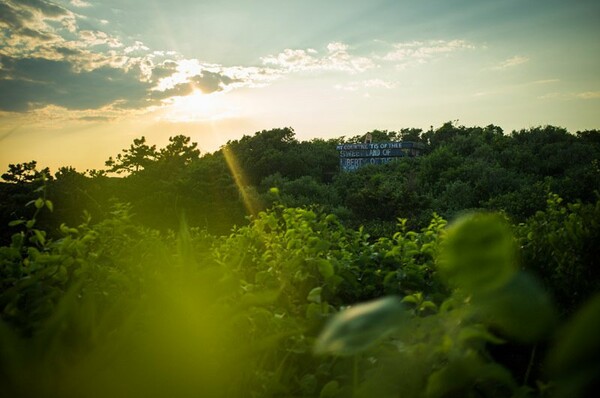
(240, 180)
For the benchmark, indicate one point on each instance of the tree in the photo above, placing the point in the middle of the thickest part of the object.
(180, 150)
(138, 157)
(24, 172)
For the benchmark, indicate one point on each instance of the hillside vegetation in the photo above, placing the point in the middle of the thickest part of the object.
(261, 270)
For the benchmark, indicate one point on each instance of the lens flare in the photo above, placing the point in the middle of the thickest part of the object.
(240, 180)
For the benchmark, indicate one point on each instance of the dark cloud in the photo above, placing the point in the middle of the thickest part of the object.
(12, 17)
(68, 52)
(43, 67)
(31, 83)
(165, 69)
(207, 82)
(179, 90)
(45, 7)
(210, 82)
(35, 34)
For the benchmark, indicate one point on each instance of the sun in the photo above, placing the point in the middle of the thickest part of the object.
(198, 107)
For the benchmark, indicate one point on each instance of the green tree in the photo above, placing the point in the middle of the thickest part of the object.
(134, 159)
(180, 151)
(24, 172)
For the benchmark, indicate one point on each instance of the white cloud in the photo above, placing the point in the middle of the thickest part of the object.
(80, 3)
(418, 52)
(366, 84)
(96, 38)
(545, 81)
(511, 62)
(337, 58)
(587, 95)
(137, 46)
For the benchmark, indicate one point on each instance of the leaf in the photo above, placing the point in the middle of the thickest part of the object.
(39, 203)
(14, 223)
(359, 327)
(477, 333)
(325, 268)
(412, 299)
(574, 361)
(330, 390)
(315, 295)
(428, 305)
(49, 205)
(40, 236)
(521, 309)
(464, 376)
(479, 253)
(314, 311)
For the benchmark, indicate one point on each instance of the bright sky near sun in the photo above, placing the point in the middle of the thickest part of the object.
(80, 79)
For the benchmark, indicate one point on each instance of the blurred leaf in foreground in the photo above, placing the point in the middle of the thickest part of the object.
(574, 361)
(478, 254)
(520, 309)
(357, 328)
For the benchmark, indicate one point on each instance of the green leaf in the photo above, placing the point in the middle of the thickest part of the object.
(470, 376)
(14, 223)
(477, 333)
(330, 390)
(49, 205)
(314, 311)
(40, 236)
(428, 305)
(359, 327)
(325, 268)
(39, 203)
(412, 299)
(315, 295)
(479, 253)
(574, 361)
(521, 309)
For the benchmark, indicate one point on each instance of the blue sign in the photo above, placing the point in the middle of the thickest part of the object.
(367, 153)
(355, 156)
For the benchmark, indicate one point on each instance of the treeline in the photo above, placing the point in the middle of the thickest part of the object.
(463, 168)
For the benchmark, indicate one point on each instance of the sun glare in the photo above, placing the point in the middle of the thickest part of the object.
(198, 107)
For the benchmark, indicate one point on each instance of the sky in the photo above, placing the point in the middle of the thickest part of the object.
(80, 79)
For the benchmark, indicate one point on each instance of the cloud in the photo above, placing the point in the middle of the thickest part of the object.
(545, 81)
(13, 18)
(366, 84)
(511, 62)
(207, 82)
(80, 3)
(419, 52)
(588, 95)
(337, 58)
(48, 62)
(45, 7)
(35, 83)
(96, 38)
(585, 95)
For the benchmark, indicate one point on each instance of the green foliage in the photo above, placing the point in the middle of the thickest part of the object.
(99, 309)
(491, 302)
(117, 304)
(559, 245)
